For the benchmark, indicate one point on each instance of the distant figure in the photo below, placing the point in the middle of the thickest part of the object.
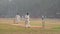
(27, 20)
(43, 17)
(43, 21)
(17, 18)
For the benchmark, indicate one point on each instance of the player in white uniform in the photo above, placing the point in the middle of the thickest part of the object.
(42, 17)
(27, 20)
(17, 18)
(43, 21)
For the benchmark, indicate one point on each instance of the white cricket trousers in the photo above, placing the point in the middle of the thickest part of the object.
(27, 23)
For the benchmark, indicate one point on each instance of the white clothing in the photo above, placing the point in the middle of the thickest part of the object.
(27, 21)
(43, 19)
(17, 18)
(42, 16)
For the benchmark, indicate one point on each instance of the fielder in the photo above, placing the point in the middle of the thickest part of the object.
(43, 18)
(17, 18)
(43, 21)
(27, 20)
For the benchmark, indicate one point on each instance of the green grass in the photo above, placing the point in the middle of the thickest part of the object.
(7, 28)
(10, 29)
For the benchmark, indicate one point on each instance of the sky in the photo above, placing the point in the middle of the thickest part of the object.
(36, 8)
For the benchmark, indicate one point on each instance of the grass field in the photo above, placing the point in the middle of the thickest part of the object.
(52, 26)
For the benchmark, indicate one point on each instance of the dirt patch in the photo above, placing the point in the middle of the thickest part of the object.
(24, 25)
(21, 25)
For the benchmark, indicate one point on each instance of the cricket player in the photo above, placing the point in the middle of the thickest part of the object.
(17, 18)
(43, 21)
(43, 17)
(27, 20)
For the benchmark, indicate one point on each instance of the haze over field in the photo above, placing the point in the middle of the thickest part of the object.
(36, 8)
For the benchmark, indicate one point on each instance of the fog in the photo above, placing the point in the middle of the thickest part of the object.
(36, 8)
